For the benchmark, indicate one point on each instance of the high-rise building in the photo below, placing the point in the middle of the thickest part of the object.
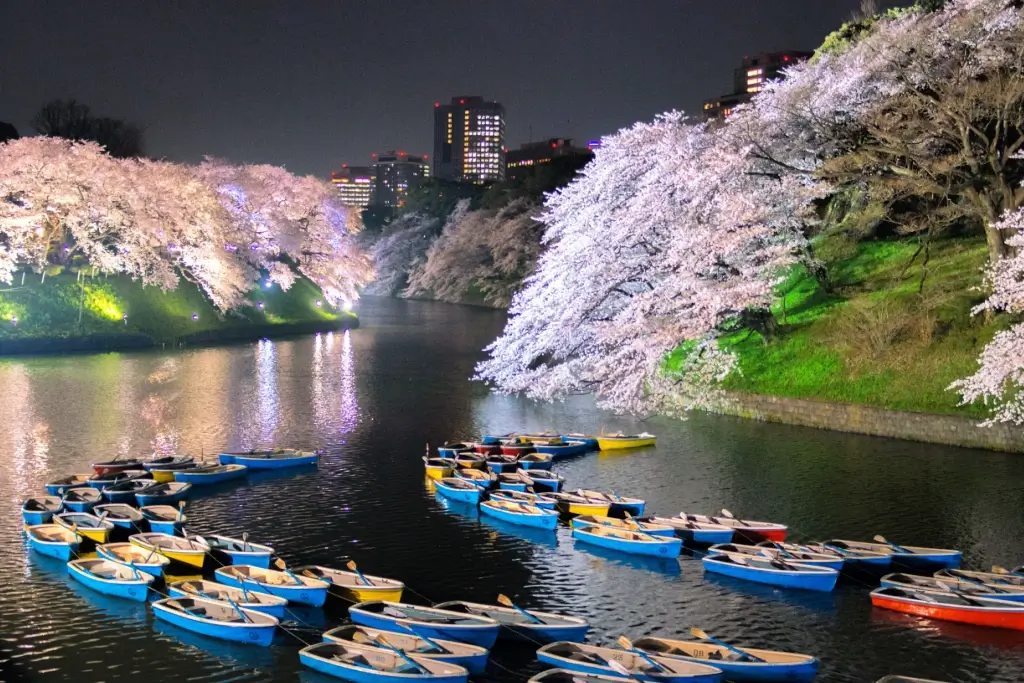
(749, 79)
(396, 173)
(531, 155)
(469, 140)
(355, 185)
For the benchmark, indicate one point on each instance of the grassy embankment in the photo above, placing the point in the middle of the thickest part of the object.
(872, 337)
(49, 311)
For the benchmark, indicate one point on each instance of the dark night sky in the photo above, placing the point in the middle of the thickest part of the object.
(310, 84)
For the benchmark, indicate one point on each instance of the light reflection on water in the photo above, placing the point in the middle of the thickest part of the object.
(372, 397)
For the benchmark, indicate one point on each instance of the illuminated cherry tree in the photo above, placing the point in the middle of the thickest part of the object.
(668, 234)
(400, 252)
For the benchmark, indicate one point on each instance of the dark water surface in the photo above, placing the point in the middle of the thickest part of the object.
(372, 397)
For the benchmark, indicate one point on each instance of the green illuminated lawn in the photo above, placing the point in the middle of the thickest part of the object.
(873, 339)
(50, 309)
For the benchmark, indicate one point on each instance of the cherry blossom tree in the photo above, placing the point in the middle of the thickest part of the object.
(668, 234)
(400, 251)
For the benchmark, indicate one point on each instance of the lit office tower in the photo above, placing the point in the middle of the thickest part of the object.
(354, 184)
(396, 173)
(469, 140)
(749, 79)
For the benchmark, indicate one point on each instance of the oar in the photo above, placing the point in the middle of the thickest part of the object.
(283, 567)
(504, 600)
(996, 569)
(881, 539)
(615, 666)
(982, 584)
(352, 567)
(382, 641)
(181, 509)
(729, 515)
(783, 551)
(629, 520)
(702, 635)
(245, 541)
(238, 609)
(131, 565)
(627, 644)
(419, 634)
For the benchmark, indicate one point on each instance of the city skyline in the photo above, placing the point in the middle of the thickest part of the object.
(311, 86)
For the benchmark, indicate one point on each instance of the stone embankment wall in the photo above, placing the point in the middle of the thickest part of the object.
(952, 430)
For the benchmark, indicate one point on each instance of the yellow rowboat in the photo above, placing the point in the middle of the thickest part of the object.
(439, 468)
(612, 442)
(352, 587)
(162, 476)
(88, 526)
(570, 504)
(189, 551)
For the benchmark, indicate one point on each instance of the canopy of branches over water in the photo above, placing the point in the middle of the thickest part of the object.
(215, 224)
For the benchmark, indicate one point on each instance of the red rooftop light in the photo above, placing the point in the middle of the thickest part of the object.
(437, 104)
(462, 101)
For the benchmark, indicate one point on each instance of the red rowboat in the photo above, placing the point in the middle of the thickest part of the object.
(517, 447)
(115, 466)
(487, 448)
(951, 607)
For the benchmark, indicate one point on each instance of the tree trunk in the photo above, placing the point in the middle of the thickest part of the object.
(996, 240)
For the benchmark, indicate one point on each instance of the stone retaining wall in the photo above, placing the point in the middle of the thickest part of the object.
(950, 430)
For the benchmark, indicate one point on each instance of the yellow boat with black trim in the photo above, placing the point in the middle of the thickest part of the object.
(189, 551)
(439, 468)
(354, 586)
(611, 442)
(571, 504)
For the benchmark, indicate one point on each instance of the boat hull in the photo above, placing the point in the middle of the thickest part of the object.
(60, 489)
(302, 595)
(278, 611)
(1011, 619)
(484, 636)
(824, 580)
(666, 547)
(103, 469)
(460, 495)
(474, 658)
(268, 463)
(613, 443)
(582, 523)
(80, 505)
(574, 508)
(158, 526)
(359, 674)
(192, 558)
(567, 450)
(253, 559)
(33, 517)
(201, 479)
(153, 569)
(128, 590)
(144, 499)
(254, 634)
(547, 521)
(58, 550)
(601, 670)
(617, 509)
(547, 485)
(928, 562)
(520, 486)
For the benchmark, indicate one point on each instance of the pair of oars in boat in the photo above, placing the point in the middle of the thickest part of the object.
(627, 644)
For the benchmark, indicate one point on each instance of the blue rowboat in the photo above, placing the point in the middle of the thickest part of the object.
(40, 509)
(368, 664)
(163, 494)
(523, 497)
(292, 587)
(627, 541)
(426, 622)
(851, 558)
(58, 487)
(246, 599)
(1014, 578)
(772, 572)
(164, 519)
(774, 665)
(515, 481)
(148, 561)
(591, 659)
(521, 514)
(472, 657)
(566, 676)
(565, 449)
(535, 461)
(459, 489)
(946, 581)
(53, 540)
(239, 551)
(217, 619)
(538, 627)
(470, 460)
(643, 527)
(102, 481)
(590, 442)
(768, 550)
(618, 505)
(495, 439)
(695, 533)
(124, 491)
(81, 499)
(908, 556)
(450, 451)
(115, 466)
(271, 460)
(111, 578)
(543, 481)
(500, 464)
(481, 478)
(212, 474)
(168, 462)
(120, 515)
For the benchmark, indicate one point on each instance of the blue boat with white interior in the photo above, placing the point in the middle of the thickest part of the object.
(164, 519)
(58, 487)
(239, 550)
(593, 659)
(124, 491)
(472, 657)
(521, 514)
(366, 663)
(774, 572)
(163, 494)
(906, 556)
(112, 578)
(82, 499)
(40, 509)
(458, 489)
(211, 474)
(292, 587)
(450, 451)
(217, 619)
(120, 515)
(426, 622)
(271, 460)
(525, 625)
(565, 449)
(523, 497)
(544, 481)
(628, 541)
(148, 561)
(737, 664)
(53, 540)
(246, 599)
